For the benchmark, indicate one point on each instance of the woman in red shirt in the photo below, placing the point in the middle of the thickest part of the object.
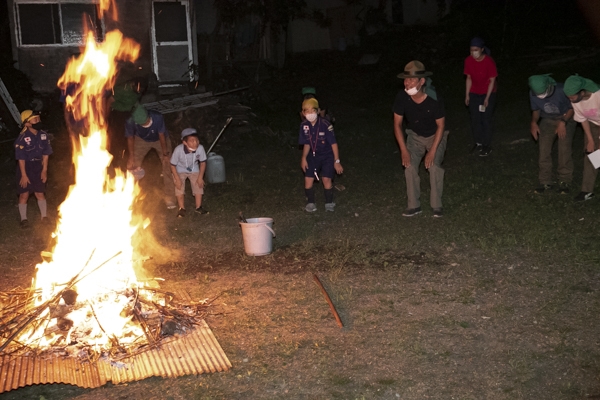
(480, 94)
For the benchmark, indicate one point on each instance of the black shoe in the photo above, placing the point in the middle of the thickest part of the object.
(181, 213)
(476, 147)
(563, 188)
(24, 224)
(201, 210)
(542, 188)
(485, 151)
(583, 196)
(411, 212)
(438, 213)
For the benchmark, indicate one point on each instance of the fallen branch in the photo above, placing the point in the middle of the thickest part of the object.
(333, 310)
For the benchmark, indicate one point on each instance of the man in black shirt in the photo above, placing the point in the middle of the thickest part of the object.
(420, 107)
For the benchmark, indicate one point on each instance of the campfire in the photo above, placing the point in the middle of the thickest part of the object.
(85, 301)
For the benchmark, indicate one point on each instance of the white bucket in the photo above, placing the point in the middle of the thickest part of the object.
(258, 236)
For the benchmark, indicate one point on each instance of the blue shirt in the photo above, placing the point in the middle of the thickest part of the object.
(319, 137)
(149, 134)
(30, 146)
(553, 106)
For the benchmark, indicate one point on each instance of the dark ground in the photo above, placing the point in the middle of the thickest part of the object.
(495, 301)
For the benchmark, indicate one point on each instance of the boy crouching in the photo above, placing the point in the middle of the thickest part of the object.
(189, 162)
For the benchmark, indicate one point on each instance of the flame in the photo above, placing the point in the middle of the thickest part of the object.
(93, 252)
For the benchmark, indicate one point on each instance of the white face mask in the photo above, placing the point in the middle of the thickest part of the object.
(476, 54)
(547, 93)
(312, 117)
(412, 91)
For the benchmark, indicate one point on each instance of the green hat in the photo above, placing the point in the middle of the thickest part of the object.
(139, 114)
(540, 83)
(575, 84)
(125, 98)
(309, 90)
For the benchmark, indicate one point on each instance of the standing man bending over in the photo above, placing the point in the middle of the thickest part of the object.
(145, 130)
(552, 118)
(423, 110)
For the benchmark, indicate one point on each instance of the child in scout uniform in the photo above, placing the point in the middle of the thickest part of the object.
(189, 162)
(32, 149)
(320, 155)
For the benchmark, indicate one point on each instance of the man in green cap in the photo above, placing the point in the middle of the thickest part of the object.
(552, 118)
(145, 130)
(585, 98)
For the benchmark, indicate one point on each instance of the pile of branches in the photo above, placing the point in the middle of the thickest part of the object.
(157, 312)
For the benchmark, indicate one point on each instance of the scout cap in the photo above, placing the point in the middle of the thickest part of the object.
(187, 132)
(414, 69)
(540, 83)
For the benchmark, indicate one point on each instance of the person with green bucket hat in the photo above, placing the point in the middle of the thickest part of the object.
(584, 95)
(552, 121)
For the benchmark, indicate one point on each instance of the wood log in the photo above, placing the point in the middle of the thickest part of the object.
(331, 306)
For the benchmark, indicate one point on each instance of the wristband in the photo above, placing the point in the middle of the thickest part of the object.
(337, 161)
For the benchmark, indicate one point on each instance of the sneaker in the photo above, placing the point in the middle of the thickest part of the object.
(330, 207)
(583, 196)
(542, 188)
(563, 188)
(485, 151)
(311, 207)
(438, 213)
(181, 213)
(24, 224)
(201, 210)
(170, 205)
(475, 148)
(410, 212)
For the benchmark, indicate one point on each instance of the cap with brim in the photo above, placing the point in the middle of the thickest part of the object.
(575, 84)
(139, 114)
(477, 42)
(27, 115)
(309, 90)
(540, 83)
(188, 132)
(414, 69)
(310, 103)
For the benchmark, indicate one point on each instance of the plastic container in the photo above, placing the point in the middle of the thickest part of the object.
(215, 168)
(258, 236)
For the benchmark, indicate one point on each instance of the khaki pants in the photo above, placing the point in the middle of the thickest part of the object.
(141, 148)
(589, 172)
(546, 141)
(417, 147)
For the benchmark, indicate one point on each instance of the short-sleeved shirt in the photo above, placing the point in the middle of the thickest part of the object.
(554, 106)
(420, 118)
(319, 137)
(186, 161)
(481, 72)
(32, 147)
(588, 110)
(149, 134)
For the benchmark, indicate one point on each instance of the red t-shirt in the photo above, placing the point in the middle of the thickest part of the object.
(481, 72)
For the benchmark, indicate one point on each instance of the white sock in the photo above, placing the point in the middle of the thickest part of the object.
(23, 211)
(42, 206)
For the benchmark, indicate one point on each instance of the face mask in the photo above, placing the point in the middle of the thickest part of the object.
(148, 124)
(476, 54)
(312, 117)
(547, 93)
(412, 91)
(37, 126)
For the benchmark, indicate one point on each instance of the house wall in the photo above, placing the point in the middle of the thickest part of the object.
(421, 12)
(45, 64)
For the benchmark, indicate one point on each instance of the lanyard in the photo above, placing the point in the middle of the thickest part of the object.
(186, 160)
(314, 146)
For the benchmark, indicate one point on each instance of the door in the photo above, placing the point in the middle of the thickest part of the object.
(171, 41)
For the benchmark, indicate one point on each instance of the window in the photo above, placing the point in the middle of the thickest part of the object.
(43, 24)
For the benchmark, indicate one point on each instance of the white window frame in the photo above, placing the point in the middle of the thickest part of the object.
(189, 42)
(59, 3)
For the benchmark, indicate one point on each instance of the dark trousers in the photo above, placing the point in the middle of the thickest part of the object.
(481, 122)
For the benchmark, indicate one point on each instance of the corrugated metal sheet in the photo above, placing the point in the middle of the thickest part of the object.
(197, 352)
